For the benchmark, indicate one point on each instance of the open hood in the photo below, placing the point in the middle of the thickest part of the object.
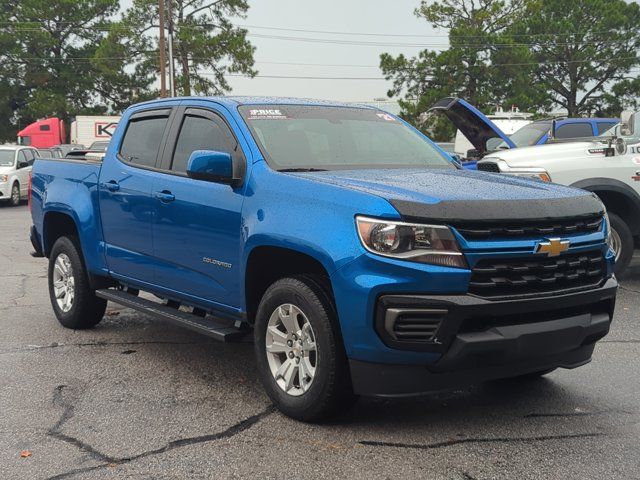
(471, 122)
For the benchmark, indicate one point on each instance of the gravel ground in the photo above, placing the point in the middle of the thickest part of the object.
(138, 398)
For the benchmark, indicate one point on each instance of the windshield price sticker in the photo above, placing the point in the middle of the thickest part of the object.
(266, 114)
(386, 116)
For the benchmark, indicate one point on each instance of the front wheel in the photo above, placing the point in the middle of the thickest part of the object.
(74, 302)
(300, 357)
(621, 242)
(15, 195)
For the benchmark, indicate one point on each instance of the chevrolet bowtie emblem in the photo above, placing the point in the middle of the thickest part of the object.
(553, 247)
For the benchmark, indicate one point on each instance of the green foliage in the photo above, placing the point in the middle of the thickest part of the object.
(537, 54)
(69, 57)
(582, 48)
(206, 45)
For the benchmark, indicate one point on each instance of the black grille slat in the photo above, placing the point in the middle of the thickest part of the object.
(536, 274)
(473, 231)
(489, 167)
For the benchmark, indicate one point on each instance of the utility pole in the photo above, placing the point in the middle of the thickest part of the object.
(172, 78)
(163, 62)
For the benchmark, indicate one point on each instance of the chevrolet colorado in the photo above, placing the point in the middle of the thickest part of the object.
(352, 249)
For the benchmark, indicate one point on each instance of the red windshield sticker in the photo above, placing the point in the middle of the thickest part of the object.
(386, 116)
(636, 160)
(266, 114)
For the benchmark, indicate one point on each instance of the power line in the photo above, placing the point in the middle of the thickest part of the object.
(37, 23)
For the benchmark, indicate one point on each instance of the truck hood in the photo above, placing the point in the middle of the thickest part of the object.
(538, 156)
(473, 124)
(461, 195)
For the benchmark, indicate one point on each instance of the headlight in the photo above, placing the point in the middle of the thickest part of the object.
(433, 244)
(543, 175)
(4, 178)
(538, 173)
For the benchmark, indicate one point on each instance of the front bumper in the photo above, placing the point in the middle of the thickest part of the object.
(480, 340)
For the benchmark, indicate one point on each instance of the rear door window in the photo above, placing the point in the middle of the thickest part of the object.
(142, 140)
(604, 126)
(574, 130)
(201, 130)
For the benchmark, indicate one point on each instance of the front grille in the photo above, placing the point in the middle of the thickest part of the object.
(488, 167)
(546, 228)
(535, 274)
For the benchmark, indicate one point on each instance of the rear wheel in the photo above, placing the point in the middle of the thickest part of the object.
(300, 355)
(14, 201)
(621, 242)
(74, 302)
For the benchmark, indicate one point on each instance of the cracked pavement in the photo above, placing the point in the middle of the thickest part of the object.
(138, 398)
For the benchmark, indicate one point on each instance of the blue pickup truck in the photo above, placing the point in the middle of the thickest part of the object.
(358, 256)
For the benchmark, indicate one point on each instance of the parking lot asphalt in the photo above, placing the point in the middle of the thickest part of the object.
(138, 398)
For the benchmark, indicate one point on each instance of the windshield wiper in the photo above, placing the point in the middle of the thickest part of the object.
(300, 169)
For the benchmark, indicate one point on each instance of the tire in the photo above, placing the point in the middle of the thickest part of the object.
(78, 308)
(312, 394)
(14, 201)
(624, 238)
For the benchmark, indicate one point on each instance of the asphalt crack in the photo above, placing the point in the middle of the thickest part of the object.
(453, 442)
(68, 411)
(31, 348)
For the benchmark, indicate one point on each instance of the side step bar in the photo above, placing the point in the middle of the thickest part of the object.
(212, 328)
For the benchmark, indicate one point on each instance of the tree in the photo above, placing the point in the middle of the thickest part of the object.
(47, 48)
(579, 55)
(582, 48)
(207, 45)
(477, 37)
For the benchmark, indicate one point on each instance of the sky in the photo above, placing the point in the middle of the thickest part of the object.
(382, 18)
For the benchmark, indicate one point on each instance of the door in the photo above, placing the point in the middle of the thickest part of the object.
(197, 228)
(23, 167)
(126, 206)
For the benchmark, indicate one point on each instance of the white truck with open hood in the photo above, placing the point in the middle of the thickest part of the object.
(608, 165)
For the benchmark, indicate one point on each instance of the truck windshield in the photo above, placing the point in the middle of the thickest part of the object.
(7, 158)
(298, 137)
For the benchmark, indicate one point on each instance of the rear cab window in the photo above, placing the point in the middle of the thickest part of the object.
(574, 130)
(143, 137)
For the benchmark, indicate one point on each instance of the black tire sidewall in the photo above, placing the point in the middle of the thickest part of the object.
(626, 241)
(86, 310)
(314, 403)
(11, 202)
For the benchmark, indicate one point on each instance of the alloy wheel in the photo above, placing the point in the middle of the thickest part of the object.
(63, 282)
(291, 349)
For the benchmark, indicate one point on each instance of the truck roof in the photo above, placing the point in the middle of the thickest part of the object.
(233, 101)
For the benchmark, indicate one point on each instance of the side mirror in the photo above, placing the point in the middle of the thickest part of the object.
(22, 164)
(213, 166)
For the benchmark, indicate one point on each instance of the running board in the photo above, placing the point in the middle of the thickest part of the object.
(212, 328)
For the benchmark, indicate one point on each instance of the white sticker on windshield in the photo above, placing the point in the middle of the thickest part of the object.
(386, 116)
(266, 114)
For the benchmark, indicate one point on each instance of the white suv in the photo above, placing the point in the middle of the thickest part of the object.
(15, 165)
(608, 165)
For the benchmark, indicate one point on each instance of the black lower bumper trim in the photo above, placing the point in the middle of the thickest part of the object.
(485, 348)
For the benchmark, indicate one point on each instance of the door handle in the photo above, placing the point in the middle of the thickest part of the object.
(165, 196)
(111, 185)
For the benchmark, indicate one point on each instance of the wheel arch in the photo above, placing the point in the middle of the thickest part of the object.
(57, 224)
(618, 197)
(267, 263)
